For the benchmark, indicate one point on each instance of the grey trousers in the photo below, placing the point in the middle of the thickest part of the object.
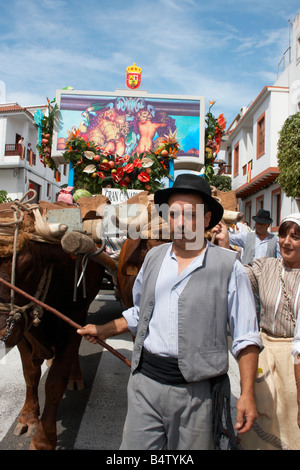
(160, 416)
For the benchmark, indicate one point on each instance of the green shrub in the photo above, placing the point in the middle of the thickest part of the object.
(221, 182)
(289, 156)
(4, 197)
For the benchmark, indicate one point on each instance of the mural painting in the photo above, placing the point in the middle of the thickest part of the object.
(127, 125)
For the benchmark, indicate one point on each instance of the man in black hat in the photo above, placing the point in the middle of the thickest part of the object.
(259, 243)
(185, 295)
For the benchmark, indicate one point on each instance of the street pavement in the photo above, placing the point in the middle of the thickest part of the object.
(89, 419)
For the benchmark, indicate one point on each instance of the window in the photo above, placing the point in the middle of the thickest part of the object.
(259, 203)
(276, 208)
(236, 160)
(261, 136)
(230, 159)
(36, 187)
(244, 170)
(248, 213)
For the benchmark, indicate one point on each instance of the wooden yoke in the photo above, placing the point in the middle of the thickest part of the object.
(76, 242)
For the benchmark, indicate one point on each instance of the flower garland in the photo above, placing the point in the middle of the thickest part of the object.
(44, 147)
(94, 169)
(213, 133)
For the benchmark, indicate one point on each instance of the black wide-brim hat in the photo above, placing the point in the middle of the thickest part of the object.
(263, 217)
(190, 183)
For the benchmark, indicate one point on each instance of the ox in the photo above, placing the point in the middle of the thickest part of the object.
(45, 271)
(131, 259)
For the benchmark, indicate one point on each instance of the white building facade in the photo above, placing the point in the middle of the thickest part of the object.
(20, 166)
(250, 144)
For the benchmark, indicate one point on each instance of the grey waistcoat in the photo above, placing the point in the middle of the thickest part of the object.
(202, 313)
(249, 251)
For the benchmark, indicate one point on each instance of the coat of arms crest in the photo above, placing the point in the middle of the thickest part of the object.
(133, 76)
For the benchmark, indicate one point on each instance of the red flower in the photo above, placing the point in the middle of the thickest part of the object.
(125, 158)
(122, 183)
(222, 121)
(128, 168)
(119, 160)
(101, 175)
(118, 175)
(218, 132)
(218, 141)
(137, 163)
(144, 177)
(104, 166)
(120, 172)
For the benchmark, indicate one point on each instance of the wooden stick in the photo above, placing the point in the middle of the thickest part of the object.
(65, 319)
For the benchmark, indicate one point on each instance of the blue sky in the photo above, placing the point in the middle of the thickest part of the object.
(224, 50)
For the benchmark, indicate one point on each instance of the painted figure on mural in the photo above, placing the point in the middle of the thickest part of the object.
(110, 132)
(147, 130)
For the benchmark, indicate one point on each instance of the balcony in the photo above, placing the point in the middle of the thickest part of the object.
(18, 150)
(259, 182)
(224, 170)
(12, 150)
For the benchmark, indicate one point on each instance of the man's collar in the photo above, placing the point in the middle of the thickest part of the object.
(207, 242)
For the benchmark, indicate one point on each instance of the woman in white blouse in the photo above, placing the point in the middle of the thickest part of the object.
(277, 282)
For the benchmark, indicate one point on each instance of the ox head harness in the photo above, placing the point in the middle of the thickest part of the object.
(32, 312)
(14, 312)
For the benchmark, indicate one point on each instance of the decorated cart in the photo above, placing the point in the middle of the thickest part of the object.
(121, 147)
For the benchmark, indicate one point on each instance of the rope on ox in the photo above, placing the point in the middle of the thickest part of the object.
(43, 232)
(65, 319)
(19, 207)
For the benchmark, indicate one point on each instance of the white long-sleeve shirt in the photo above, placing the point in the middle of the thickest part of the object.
(261, 246)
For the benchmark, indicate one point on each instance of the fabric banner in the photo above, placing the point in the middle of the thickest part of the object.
(21, 150)
(30, 157)
(249, 171)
